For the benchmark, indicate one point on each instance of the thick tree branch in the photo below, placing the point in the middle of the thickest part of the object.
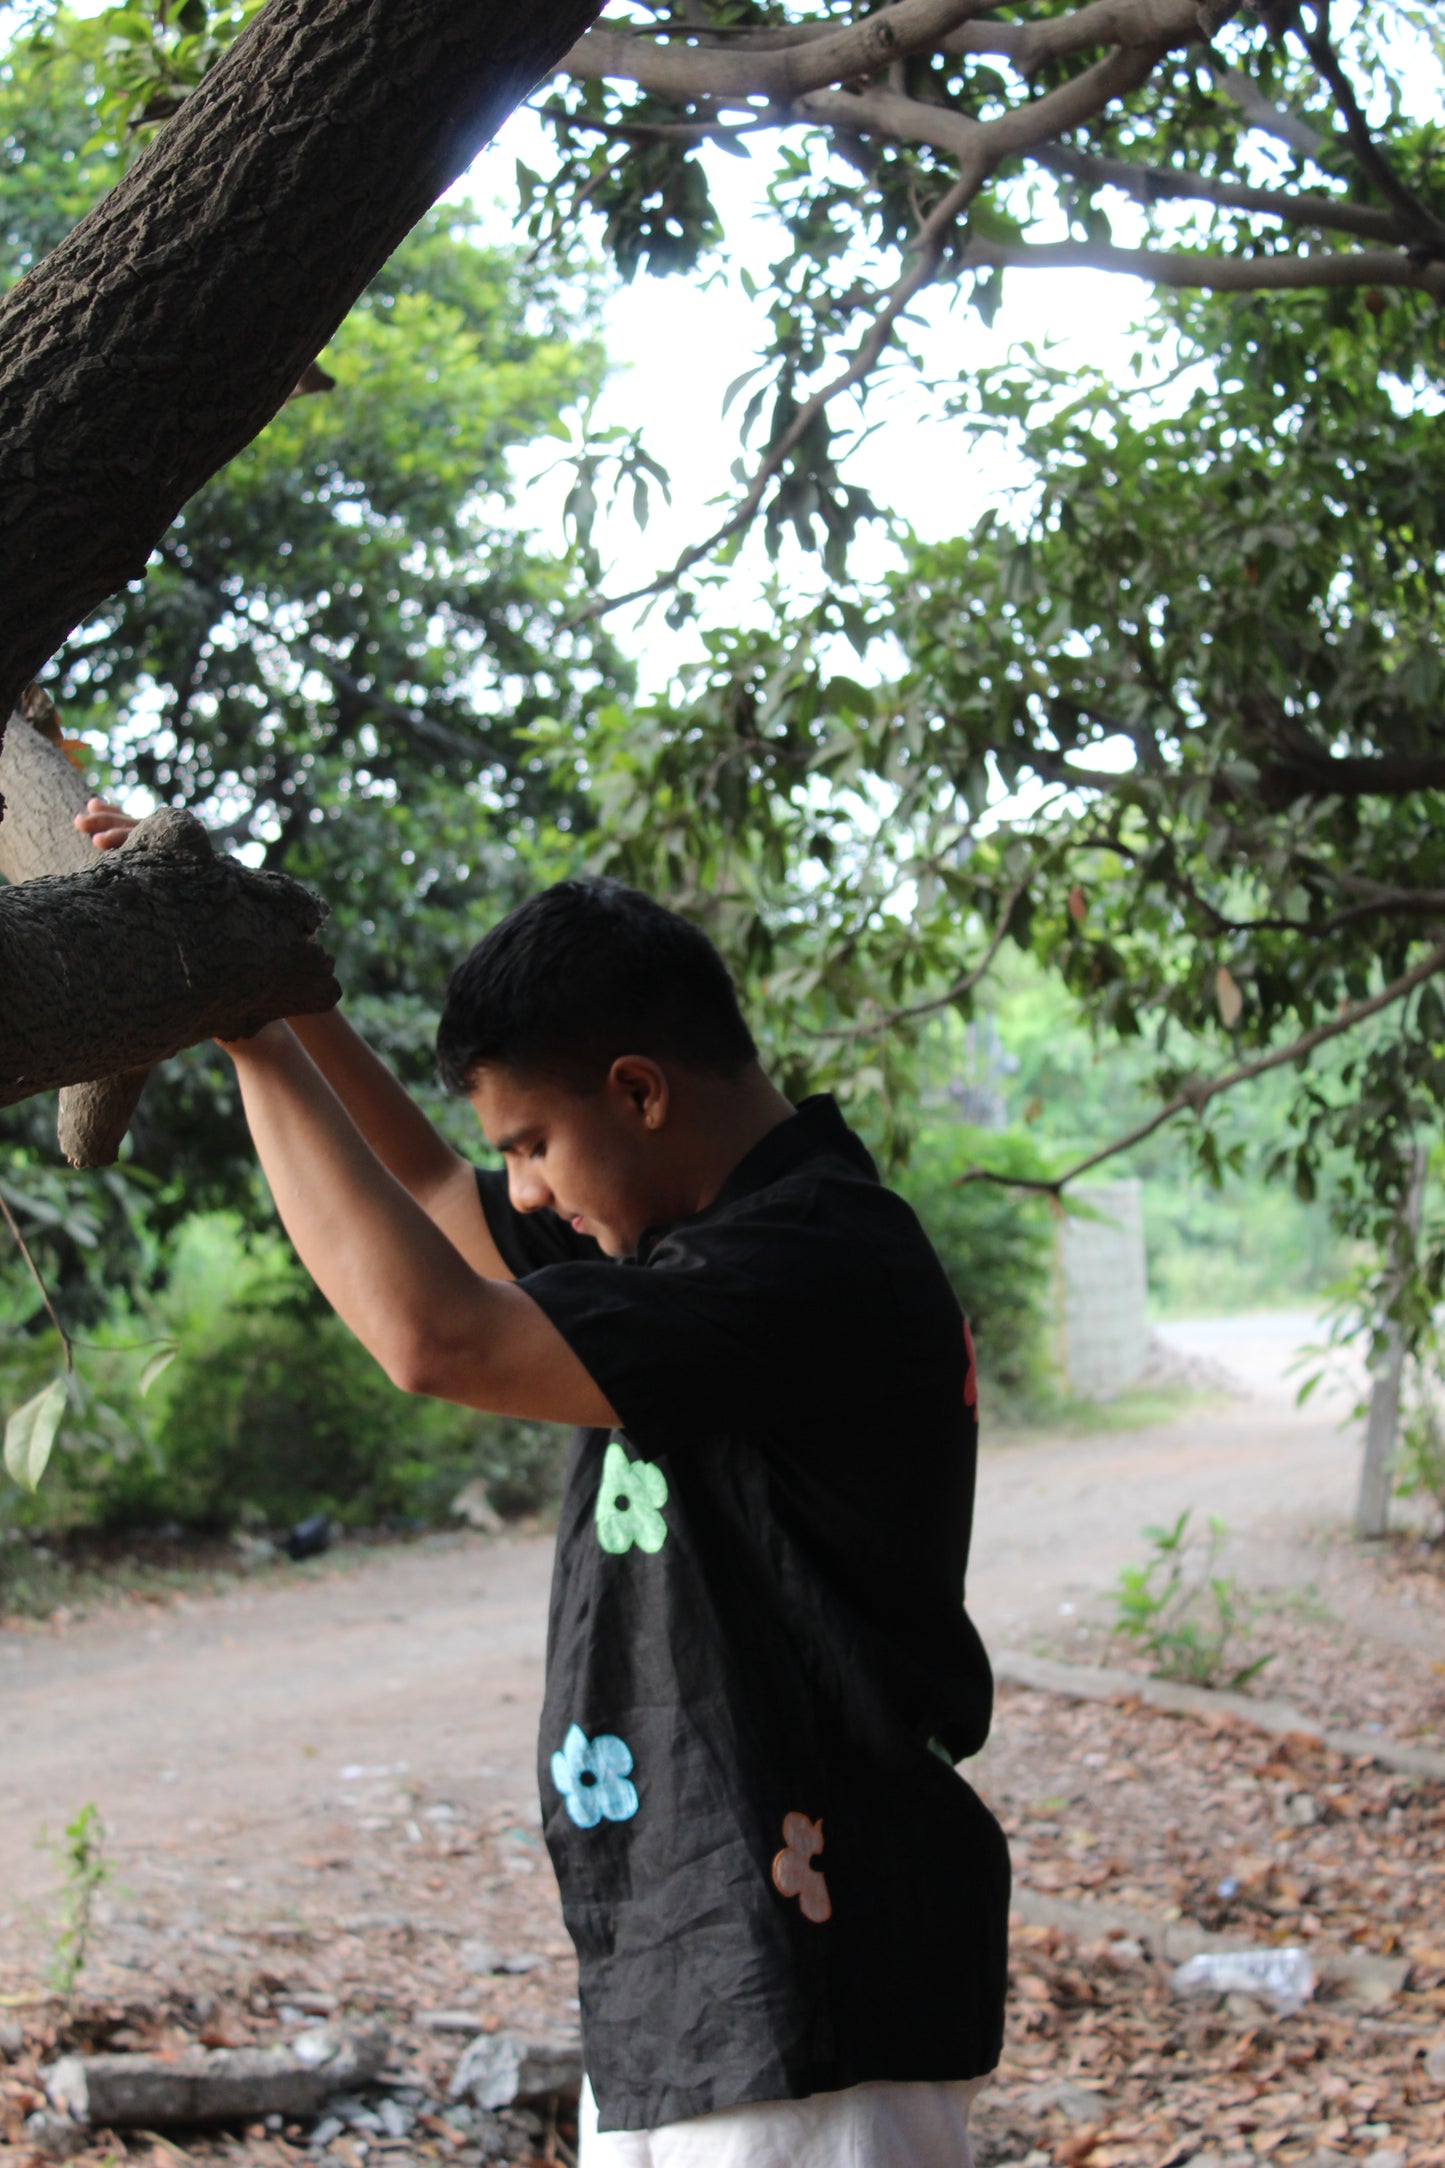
(43, 793)
(681, 71)
(1031, 46)
(1196, 1095)
(152, 948)
(1308, 771)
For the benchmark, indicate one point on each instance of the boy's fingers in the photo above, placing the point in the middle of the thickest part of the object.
(104, 824)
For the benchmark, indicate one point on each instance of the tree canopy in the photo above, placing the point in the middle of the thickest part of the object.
(1170, 720)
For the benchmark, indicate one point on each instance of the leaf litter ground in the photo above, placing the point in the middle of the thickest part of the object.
(1277, 1840)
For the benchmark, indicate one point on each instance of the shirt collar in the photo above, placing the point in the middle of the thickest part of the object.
(815, 1130)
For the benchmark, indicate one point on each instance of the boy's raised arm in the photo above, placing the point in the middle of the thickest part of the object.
(408, 1146)
(432, 1321)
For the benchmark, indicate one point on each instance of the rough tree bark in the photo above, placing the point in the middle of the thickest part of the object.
(1372, 1500)
(153, 947)
(42, 793)
(170, 325)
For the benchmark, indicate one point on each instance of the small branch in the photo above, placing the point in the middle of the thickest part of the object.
(955, 992)
(928, 254)
(1197, 1095)
(1012, 134)
(1187, 269)
(1161, 184)
(20, 1243)
(1286, 127)
(1425, 230)
(666, 131)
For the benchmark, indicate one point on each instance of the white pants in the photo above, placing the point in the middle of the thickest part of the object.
(869, 2126)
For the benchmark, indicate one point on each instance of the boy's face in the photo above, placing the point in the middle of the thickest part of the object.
(600, 1159)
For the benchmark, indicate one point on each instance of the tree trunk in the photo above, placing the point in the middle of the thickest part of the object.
(1372, 1504)
(43, 793)
(170, 325)
(152, 948)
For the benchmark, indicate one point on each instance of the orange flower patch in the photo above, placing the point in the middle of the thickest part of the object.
(794, 1874)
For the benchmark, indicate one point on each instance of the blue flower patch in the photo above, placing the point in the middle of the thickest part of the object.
(592, 1776)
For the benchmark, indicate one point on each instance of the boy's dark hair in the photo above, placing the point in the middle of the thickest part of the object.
(582, 973)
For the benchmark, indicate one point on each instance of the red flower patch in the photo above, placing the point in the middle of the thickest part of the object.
(794, 1874)
(970, 1380)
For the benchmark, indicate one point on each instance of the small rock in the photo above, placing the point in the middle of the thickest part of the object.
(450, 2021)
(479, 1956)
(12, 2038)
(1075, 2102)
(56, 2136)
(1304, 1811)
(1386, 2156)
(254, 1550)
(524, 1961)
(500, 2068)
(1435, 2062)
(473, 1506)
(396, 2120)
(319, 2046)
(1371, 1991)
(488, 2071)
(330, 2126)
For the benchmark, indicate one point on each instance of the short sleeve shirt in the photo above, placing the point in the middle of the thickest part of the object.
(760, 1671)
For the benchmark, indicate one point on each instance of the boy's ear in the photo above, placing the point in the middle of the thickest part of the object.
(643, 1084)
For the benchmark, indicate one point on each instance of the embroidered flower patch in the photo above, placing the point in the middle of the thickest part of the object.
(794, 1874)
(591, 1775)
(627, 1503)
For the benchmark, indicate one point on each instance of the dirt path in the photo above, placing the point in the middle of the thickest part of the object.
(234, 1741)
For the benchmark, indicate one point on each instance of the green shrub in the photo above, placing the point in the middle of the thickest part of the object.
(270, 1411)
(997, 1247)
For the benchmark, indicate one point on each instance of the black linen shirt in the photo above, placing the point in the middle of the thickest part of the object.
(759, 1667)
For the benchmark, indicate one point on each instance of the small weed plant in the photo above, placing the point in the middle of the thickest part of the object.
(1182, 1611)
(82, 1857)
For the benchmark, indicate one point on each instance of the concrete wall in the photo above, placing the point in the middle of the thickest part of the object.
(1101, 1268)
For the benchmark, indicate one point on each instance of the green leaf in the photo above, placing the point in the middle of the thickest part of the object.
(159, 1363)
(30, 1433)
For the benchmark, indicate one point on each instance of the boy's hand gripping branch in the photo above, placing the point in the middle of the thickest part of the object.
(115, 961)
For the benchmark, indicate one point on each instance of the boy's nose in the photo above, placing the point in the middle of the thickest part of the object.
(529, 1191)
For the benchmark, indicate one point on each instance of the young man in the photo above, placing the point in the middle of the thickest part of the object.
(790, 1912)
